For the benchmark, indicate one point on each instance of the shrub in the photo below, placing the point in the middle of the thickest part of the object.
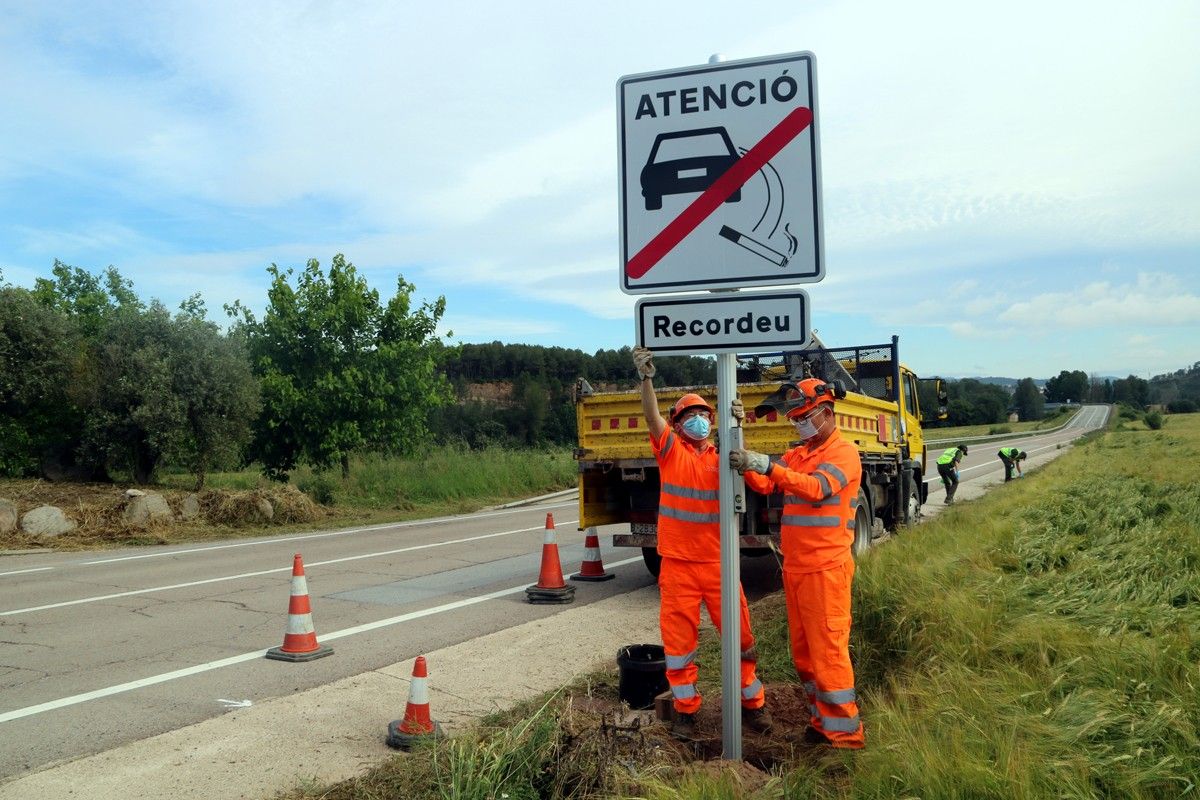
(998, 429)
(1153, 420)
(1183, 406)
(319, 486)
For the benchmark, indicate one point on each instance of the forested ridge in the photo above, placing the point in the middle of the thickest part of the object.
(96, 383)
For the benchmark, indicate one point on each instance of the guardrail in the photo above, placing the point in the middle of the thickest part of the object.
(1014, 435)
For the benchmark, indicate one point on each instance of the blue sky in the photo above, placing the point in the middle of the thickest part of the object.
(1014, 190)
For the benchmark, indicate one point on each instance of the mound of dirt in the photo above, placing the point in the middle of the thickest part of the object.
(277, 505)
(98, 510)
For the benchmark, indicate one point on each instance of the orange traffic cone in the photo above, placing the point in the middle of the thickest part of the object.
(300, 640)
(550, 588)
(404, 733)
(592, 568)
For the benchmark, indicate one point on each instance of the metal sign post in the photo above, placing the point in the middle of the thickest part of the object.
(731, 494)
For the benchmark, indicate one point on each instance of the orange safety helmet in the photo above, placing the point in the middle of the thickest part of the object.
(802, 397)
(689, 401)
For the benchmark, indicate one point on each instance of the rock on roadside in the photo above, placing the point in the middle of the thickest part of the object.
(189, 509)
(46, 521)
(8, 517)
(144, 509)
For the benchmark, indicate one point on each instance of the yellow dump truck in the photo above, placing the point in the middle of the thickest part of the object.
(880, 414)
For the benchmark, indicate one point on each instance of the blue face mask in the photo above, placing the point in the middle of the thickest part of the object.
(696, 427)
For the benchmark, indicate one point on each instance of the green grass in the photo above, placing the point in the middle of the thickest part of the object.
(446, 476)
(1041, 642)
(964, 431)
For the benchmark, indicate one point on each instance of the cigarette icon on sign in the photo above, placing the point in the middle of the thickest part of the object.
(754, 246)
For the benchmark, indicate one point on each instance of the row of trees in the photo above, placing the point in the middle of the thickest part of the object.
(94, 382)
(92, 379)
(1077, 386)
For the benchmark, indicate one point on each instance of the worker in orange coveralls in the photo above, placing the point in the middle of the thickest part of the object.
(819, 480)
(689, 541)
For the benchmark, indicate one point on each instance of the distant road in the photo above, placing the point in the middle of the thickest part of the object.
(982, 461)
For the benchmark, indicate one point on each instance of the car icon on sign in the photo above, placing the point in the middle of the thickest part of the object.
(687, 161)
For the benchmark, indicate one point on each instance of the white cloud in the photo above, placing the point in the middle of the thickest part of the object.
(1153, 300)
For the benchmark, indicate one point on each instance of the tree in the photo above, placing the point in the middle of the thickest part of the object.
(88, 299)
(974, 402)
(39, 349)
(1133, 390)
(1028, 399)
(132, 413)
(1068, 386)
(217, 393)
(340, 371)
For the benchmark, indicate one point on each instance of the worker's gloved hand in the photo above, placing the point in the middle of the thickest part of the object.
(956, 474)
(738, 410)
(749, 461)
(643, 360)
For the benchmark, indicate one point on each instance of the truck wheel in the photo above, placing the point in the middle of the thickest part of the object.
(653, 560)
(912, 509)
(862, 526)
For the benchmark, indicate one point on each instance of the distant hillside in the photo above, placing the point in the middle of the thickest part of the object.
(1007, 383)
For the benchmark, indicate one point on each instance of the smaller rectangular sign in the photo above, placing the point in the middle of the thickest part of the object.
(741, 322)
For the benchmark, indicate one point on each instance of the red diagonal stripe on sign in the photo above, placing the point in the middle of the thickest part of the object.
(711, 198)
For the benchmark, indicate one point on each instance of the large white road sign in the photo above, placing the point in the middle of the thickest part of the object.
(720, 176)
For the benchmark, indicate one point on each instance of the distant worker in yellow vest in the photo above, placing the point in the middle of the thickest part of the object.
(689, 541)
(1012, 457)
(947, 465)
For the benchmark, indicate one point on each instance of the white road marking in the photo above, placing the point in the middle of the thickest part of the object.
(132, 592)
(302, 537)
(236, 703)
(24, 571)
(76, 699)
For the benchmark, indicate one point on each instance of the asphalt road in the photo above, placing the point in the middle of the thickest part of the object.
(100, 649)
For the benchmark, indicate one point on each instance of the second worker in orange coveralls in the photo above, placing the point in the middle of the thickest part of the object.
(819, 480)
(689, 541)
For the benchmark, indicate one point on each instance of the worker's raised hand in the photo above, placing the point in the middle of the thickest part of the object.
(749, 461)
(643, 361)
(738, 409)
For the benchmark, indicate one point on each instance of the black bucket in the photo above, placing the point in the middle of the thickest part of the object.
(643, 674)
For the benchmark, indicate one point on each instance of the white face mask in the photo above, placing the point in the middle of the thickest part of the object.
(806, 428)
